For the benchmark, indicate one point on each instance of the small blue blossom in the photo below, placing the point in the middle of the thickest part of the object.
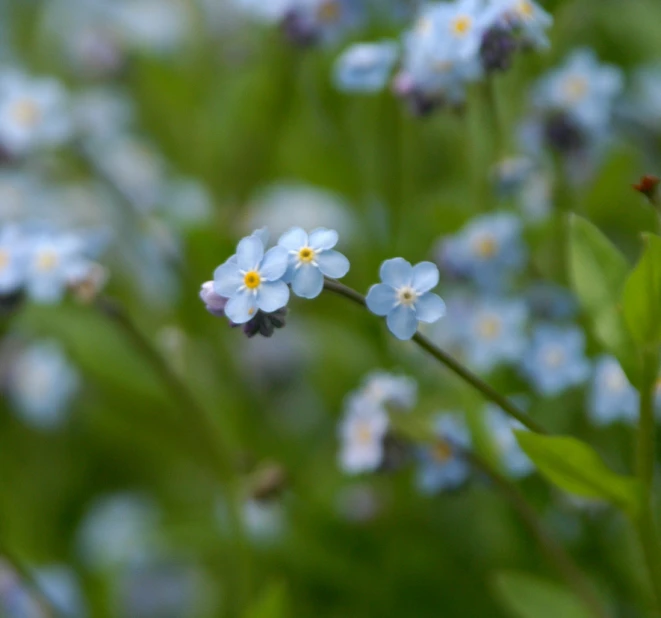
(387, 389)
(42, 385)
(501, 429)
(251, 280)
(13, 259)
(555, 360)
(62, 588)
(365, 67)
(442, 464)
(612, 397)
(496, 333)
(488, 250)
(404, 297)
(311, 257)
(526, 18)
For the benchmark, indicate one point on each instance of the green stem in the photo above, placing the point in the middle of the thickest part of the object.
(494, 111)
(204, 433)
(453, 365)
(555, 553)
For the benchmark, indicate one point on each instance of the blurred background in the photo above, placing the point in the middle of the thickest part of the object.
(190, 123)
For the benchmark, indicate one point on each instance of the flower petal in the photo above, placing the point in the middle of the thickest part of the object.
(381, 299)
(241, 307)
(249, 253)
(308, 281)
(274, 264)
(333, 264)
(429, 307)
(396, 272)
(402, 322)
(323, 239)
(293, 239)
(227, 279)
(425, 277)
(272, 296)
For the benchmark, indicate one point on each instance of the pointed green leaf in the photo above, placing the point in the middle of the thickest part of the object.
(598, 272)
(642, 295)
(525, 596)
(576, 468)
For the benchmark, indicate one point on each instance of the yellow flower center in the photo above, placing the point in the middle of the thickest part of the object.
(407, 296)
(363, 433)
(442, 66)
(525, 9)
(4, 260)
(26, 113)
(329, 12)
(554, 357)
(575, 88)
(489, 327)
(462, 25)
(252, 279)
(47, 260)
(441, 451)
(306, 254)
(486, 247)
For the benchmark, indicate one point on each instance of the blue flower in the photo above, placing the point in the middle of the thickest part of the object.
(525, 17)
(442, 465)
(555, 360)
(501, 429)
(365, 67)
(496, 333)
(404, 296)
(387, 389)
(310, 259)
(13, 259)
(612, 396)
(252, 280)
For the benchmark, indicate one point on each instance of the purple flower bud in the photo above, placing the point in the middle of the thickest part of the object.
(563, 134)
(497, 49)
(214, 303)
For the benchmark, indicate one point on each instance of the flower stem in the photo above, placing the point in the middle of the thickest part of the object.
(555, 552)
(453, 365)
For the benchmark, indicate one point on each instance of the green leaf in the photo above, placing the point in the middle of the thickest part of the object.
(642, 295)
(598, 272)
(576, 468)
(525, 596)
(272, 603)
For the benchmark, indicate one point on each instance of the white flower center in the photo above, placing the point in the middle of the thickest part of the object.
(575, 88)
(47, 260)
(407, 296)
(363, 433)
(26, 113)
(554, 357)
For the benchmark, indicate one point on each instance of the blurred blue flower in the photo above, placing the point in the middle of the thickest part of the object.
(501, 430)
(42, 385)
(549, 301)
(251, 280)
(496, 332)
(365, 67)
(555, 360)
(13, 259)
(488, 250)
(404, 296)
(62, 588)
(361, 432)
(442, 465)
(387, 389)
(311, 257)
(307, 22)
(525, 18)
(612, 397)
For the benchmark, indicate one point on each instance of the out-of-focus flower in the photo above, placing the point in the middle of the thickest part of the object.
(362, 431)
(42, 384)
(252, 280)
(311, 257)
(365, 67)
(442, 465)
(548, 301)
(612, 397)
(555, 360)
(488, 250)
(34, 113)
(644, 103)
(62, 588)
(101, 112)
(496, 333)
(390, 390)
(501, 430)
(525, 19)
(404, 297)
(13, 259)
(186, 203)
(321, 21)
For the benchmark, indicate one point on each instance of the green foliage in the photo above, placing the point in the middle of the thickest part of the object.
(272, 603)
(576, 468)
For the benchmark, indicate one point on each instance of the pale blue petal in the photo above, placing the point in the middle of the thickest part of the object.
(425, 277)
(274, 264)
(402, 322)
(293, 239)
(333, 264)
(263, 234)
(227, 279)
(429, 307)
(381, 299)
(272, 296)
(249, 253)
(288, 277)
(396, 272)
(323, 239)
(308, 281)
(241, 307)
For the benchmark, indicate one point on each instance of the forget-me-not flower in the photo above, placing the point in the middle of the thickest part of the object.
(442, 465)
(501, 430)
(311, 257)
(251, 280)
(13, 254)
(404, 297)
(387, 389)
(525, 18)
(555, 360)
(612, 397)
(365, 67)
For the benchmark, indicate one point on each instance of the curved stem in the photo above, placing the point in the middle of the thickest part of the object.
(555, 552)
(453, 365)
